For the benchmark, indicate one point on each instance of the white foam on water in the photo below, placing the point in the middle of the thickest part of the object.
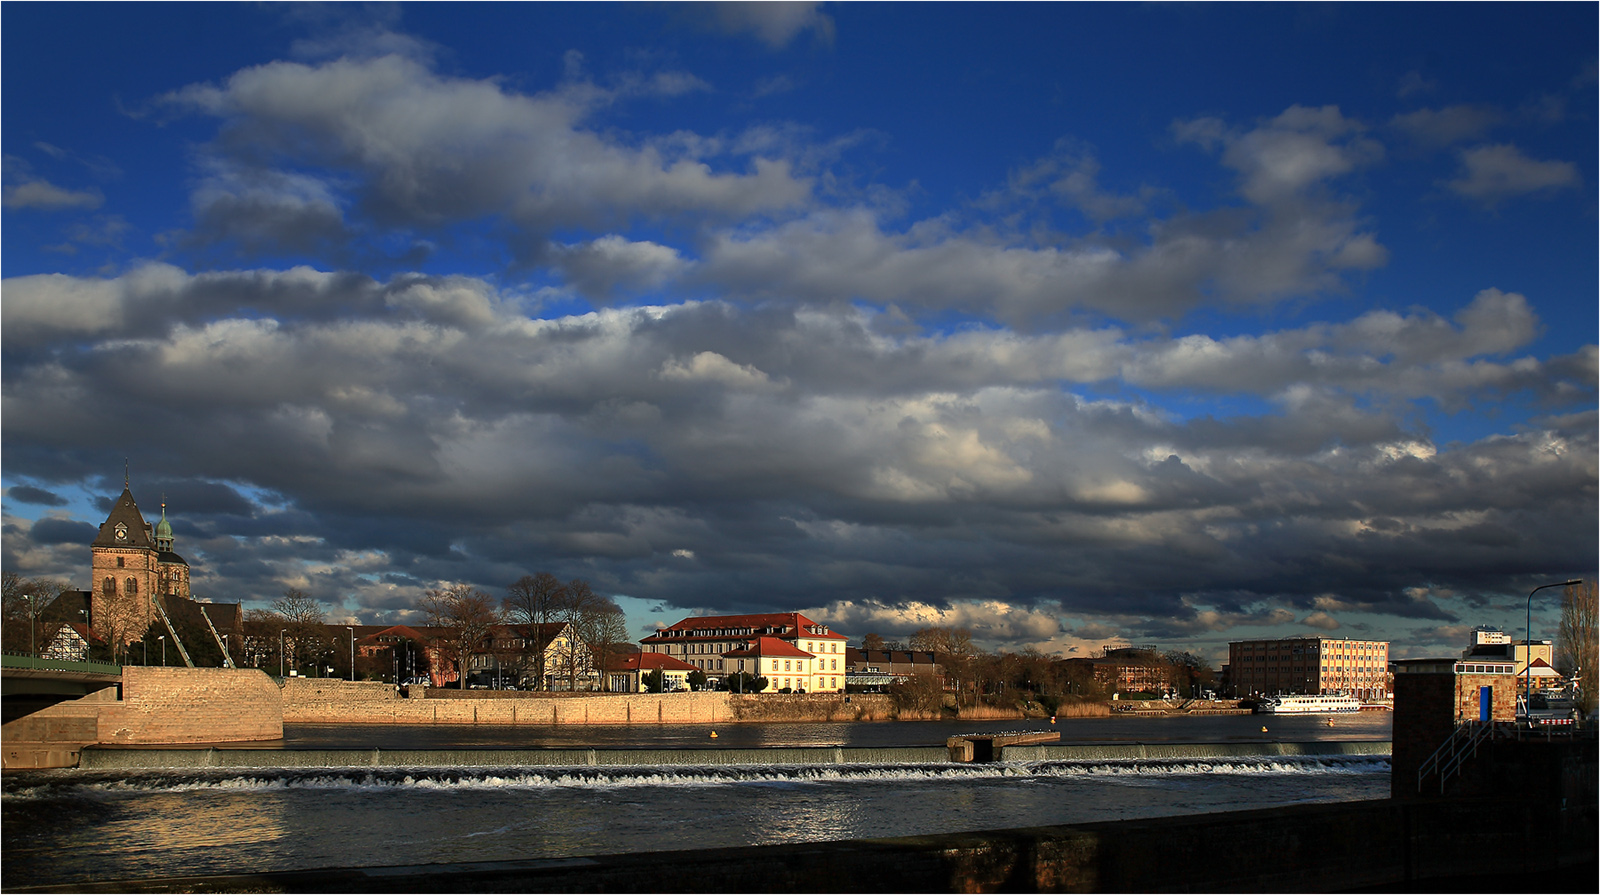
(444, 779)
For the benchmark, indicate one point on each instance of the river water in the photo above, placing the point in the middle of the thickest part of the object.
(75, 826)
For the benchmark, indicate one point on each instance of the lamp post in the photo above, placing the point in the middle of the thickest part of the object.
(163, 639)
(33, 623)
(281, 632)
(352, 651)
(1527, 648)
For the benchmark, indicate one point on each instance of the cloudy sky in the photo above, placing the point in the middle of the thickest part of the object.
(1070, 324)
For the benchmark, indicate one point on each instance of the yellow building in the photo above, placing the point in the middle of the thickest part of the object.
(1310, 665)
(808, 655)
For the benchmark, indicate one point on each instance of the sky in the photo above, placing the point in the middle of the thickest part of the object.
(1073, 325)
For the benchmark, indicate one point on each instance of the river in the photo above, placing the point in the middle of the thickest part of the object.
(75, 826)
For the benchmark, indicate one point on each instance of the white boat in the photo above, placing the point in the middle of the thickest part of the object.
(1309, 705)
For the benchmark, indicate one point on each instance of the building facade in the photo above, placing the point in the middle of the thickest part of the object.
(1310, 665)
(808, 655)
(1489, 644)
(1130, 670)
(876, 669)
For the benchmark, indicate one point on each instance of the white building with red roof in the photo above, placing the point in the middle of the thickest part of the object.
(624, 674)
(791, 651)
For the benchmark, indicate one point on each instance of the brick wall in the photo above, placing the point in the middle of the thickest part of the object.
(1427, 708)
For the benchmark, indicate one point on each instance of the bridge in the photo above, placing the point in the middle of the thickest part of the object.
(29, 684)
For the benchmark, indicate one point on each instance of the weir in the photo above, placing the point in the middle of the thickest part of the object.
(152, 759)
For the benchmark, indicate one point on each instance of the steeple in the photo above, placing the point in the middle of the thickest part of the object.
(164, 531)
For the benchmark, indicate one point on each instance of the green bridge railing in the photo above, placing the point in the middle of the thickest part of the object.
(13, 660)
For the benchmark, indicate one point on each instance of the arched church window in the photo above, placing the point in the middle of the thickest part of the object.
(109, 586)
(133, 587)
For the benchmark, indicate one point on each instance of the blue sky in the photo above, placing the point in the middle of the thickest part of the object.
(1071, 324)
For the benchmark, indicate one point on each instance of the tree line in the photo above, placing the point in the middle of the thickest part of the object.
(1005, 678)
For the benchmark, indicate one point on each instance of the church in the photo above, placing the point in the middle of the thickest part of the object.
(133, 563)
(139, 581)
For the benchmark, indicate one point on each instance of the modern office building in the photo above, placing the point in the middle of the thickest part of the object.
(1311, 665)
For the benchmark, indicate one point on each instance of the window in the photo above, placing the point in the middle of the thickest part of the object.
(121, 562)
(133, 586)
(109, 586)
(835, 664)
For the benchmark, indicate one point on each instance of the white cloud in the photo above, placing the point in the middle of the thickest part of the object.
(1451, 124)
(421, 150)
(1284, 156)
(1491, 174)
(775, 23)
(46, 196)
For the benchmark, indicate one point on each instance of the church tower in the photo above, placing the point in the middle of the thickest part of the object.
(172, 571)
(126, 573)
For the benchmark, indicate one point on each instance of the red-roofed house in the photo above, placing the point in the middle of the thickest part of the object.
(791, 651)
(622, 675)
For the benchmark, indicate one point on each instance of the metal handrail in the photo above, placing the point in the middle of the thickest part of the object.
(1448, 759)
(15, 660)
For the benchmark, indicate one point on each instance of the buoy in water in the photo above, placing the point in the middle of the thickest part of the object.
(713, 734)
(1052, 719)
(1263, 730)
(1330, 722)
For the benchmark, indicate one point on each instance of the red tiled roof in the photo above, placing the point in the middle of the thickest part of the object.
(650, 661)
(784, 620)
(770, 646)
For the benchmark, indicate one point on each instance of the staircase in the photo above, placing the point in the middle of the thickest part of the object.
(1447, 761)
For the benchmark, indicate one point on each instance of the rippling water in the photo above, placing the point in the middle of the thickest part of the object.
(64, 827)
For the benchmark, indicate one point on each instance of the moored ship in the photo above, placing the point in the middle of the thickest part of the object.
(1308, 705)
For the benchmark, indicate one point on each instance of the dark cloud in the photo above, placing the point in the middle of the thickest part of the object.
(36, 496)
(63, 531)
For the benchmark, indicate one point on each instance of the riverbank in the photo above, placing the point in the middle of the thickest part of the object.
(309, 701)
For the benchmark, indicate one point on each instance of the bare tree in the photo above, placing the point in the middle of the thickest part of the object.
(579, 606)
(530, 603)
(952, 648)
(1575, 640)
(466, 614)
(873, 641)
(603, 629)
(306, 625)
(24, 599)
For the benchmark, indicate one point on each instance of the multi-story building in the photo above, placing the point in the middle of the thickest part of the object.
(1491, 644)
(791, 651)
(1311, 665)
(876, 669)
(1130, 670)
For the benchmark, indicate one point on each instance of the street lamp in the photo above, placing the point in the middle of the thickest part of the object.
(281, 632)
(1527, 648)
(163, 639)
(352, 652)
(33, 623)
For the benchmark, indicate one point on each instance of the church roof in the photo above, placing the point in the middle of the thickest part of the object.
(125, 518)
(167, 556)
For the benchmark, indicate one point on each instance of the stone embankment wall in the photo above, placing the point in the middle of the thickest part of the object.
(342, 702)
(159, 706)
